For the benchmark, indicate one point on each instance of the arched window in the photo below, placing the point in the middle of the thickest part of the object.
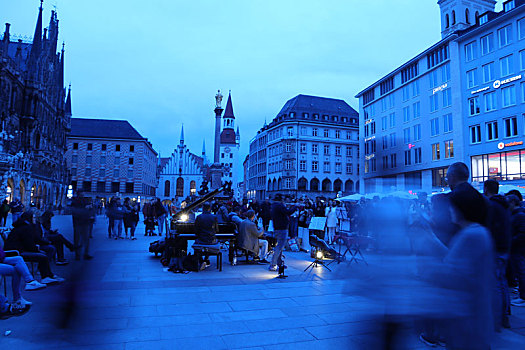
(314, 185)
(447, 20)
(453, 17)
(349, 186)
(338, 185)
(274, 185)
(193, 188)
(270, 185)
(279, 184)
(327, 185)
(180, 187)
(467, 16)
(302, 184)
(167, 186)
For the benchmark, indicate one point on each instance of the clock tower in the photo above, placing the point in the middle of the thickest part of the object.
(229, 148)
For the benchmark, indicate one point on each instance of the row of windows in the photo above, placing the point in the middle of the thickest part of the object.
(490, 100)
(103, 147)
(101, 186)
(288, 165)
(410, 90)
(506, 68)
(510, 129)
(102, 160)
(449, 150)
(504, 36)
(102, 172)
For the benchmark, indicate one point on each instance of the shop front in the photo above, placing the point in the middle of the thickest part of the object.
(504, 166)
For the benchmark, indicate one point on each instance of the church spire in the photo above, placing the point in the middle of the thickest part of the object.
(67, 109)
(182, 134)
(36, 47)
(229, 118)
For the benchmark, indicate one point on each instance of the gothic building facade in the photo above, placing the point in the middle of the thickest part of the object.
(35, 116)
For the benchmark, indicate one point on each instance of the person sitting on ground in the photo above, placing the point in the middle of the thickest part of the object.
(43, 229)
(206, 226)
(249, 235)
(21, 239)
(16, 267)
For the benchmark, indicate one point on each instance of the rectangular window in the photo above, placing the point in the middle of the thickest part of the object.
(449, 149)
(130, 173)
(349, 168)
(385, 162)
(523, 92)
(115, 187)
(384, 123)
(288, 147)
(436, 155)
(408, 157)
(406, 136)
(315, 166)
(326, 167)
(116, 172)
(393, 160)
(471, 78)
(511, 126)
(417, 132)
(406, 92)
(487, 44)
(86, 186)
(434, 103)
(475, 134)
(87, 172)
(505, 35)
(470, 51)
(506, 65)
(289, 131)
(74, 159)
(302, 165)
(393, 139)
(445, 72)
(417, 155)
(101, 186)
(392, 120)
(338, 168)
(348, 135)
(508, 96)
(385, 142)
(349, 151)
(415, 88)
(73, 171)
(102, 159)
(315, 149)
(75, 145)
(104, 147)
(488, 72)
(433, 76)
(130, 161)
(416, 110)
(434, 126)
(447, 98)
(326, 133)
(337, 150)
(129, 187)
(509, 5)
(304, 131)
(89, 146)
(447, 123)
(88, 159)
(338, 134)
(288, 165)
(490, 101)
(492, 131)
(131, 148)
(522, 59)
(326, 150)
(406, 114)
(474, 106)
(314, 132)
(303, 147)
(101, 172)
(117, 148)
(521, 28)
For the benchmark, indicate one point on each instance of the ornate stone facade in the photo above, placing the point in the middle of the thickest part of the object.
(35, 117)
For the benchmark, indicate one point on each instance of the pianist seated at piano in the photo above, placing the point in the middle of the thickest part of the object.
(206, 226)
(249, 238)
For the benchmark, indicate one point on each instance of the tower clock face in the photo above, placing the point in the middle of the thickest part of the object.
(227, 150)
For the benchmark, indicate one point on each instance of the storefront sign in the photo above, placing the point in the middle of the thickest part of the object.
(502, 145)
(480, 90)
(370, 138)
(440, 88)
(370, 156)
(498, 83)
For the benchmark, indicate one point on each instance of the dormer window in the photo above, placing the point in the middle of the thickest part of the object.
(509, 5)
(483, 19)
(292, 114)
(316, 116)
(305, 115)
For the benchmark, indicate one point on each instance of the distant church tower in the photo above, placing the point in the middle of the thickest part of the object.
(229, 147)
(461, 14)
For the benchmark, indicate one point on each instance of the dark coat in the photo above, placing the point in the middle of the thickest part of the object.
(249, 236)
(499, 224)
(82, 215)
(206, 226)
(281, 216)
(518, 231)
(22, 238)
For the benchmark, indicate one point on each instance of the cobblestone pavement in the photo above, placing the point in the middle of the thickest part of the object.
(124, 299)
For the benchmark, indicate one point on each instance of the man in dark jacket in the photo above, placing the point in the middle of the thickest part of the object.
(249, 236)
(82, 216)
(22, 238)
(517, 253)
(281, 220)
(206, 226)
(499, 225)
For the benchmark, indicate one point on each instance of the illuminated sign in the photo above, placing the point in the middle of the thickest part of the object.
(370, 157)
(368, 121)
(498, 83)
(480, 90)
(440, 88)
(370, 138)
(502, 145)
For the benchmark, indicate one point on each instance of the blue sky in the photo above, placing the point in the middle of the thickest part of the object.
(159, 63)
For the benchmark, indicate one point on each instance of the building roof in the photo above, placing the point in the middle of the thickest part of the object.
(322, 105)
(104, 128)
(228, 112)
(228, 137)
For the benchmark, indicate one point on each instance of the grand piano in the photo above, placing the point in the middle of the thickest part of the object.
(182, 227)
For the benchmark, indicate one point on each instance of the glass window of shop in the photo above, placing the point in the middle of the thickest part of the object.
(503, 166)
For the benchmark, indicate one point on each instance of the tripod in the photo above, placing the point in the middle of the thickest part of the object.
(317, 262)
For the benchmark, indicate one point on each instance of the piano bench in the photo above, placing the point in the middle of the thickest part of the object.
(201, 250)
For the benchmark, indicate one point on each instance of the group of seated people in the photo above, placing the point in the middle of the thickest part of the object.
(35, 242)
(248, 235)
